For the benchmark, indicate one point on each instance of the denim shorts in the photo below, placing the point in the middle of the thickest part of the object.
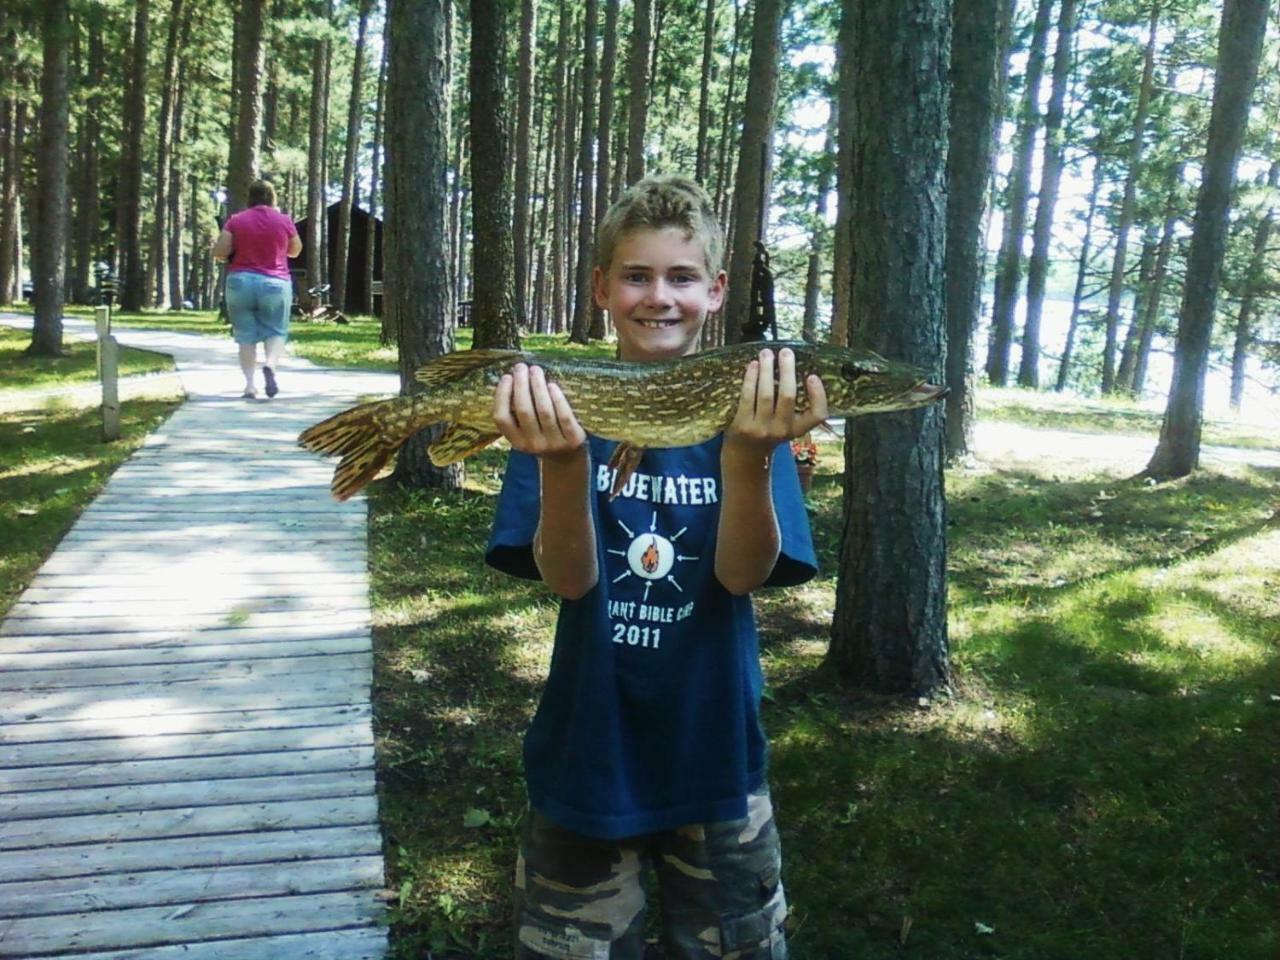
(258, 306)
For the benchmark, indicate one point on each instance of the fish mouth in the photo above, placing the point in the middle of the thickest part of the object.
(923, 393)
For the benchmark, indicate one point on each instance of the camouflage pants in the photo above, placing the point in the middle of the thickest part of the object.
(580, 898)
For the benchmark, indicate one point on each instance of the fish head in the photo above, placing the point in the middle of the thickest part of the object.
(860, 381)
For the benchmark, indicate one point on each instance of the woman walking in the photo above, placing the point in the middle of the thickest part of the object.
(257, 243)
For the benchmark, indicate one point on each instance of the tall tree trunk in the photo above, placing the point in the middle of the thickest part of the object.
(417, 289)
(132, 277)
(1146, 273)
(375, 178)
(975, 63)
(563, 175)
(702, 162)
(1009, 262)
(1115, 290)
(524, 116)
(313, 235)
(252, 59)
(638, 86)
(1239, 50)
(48, 259)
(890, 626)
(88, 219)
(1082, 270)
(1050, 175)
(728, 123)
(178, 15)
(582, 301)
(1155, 295)
(1253, 279)
(751, 189)
(608, 60)
(342, 246)
(174, 239)
(813, 277)
(842, 263)
(11, 125)
(493, 311)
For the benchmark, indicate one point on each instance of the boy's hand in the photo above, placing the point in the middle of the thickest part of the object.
(767, 414)
(534, 415)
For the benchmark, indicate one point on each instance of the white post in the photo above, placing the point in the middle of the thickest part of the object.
(108, 373)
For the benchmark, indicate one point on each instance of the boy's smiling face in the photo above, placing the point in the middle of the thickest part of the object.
(658, 292)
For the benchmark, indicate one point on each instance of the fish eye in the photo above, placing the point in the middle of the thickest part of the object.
(851, 371)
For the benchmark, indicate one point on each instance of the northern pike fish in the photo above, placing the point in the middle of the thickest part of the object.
(668, 403)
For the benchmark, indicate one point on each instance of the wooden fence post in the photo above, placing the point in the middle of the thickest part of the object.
(108, 373)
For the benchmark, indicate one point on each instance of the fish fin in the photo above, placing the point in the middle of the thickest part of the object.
(625, 460)
(458, 442)
(366, 437)
(455, 366)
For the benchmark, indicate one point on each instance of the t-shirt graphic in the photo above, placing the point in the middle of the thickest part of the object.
(650, 715)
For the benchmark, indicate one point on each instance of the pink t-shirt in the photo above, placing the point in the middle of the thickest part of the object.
(261, 238)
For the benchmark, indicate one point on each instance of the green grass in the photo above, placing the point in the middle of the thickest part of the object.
(357, 344)
(1115, 415)
(52, 464)
(1101, 784)
(79, 366)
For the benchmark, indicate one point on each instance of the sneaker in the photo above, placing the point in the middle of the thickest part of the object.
(249, 394)
(269, 376)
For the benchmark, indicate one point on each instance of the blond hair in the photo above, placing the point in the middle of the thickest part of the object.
(657, 203)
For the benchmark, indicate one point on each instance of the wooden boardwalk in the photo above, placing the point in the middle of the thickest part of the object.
(186, 750)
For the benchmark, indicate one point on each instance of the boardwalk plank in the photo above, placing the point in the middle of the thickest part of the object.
(174, 655)
(185, 769)
(193, 922)
(30, 626)
(225, 743)
(356, 944)
(165, 725)
(130, 856)
(151, 796)
(145, 700)
(189, 885)
(30, 643)
(189, 821)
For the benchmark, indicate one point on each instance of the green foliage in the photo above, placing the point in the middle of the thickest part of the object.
(1098, 785)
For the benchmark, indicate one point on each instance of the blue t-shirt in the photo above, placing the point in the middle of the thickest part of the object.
(649, 719)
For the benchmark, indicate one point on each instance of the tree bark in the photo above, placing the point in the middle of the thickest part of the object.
(1244, 333)
(638, 86)
(49, 255)
(312, 241)
(132, 278)
(178, 15)
(10, 164)
(728, 118)
(842, 256)
(174, 240)
(752, 185)
(1009, 262)
(526, 68)
(583, 301)
(813, 277)
(599, 328)
(890, 627)
(564, 176)
(417, 287)
(974, 77)
(342, 245)
(702, 162)
(245, 161)
(493, 311)
(1115, 290)
(1050, 175)
(1064, 366)
(375, 178)
(1146, 273)
(1239, 50)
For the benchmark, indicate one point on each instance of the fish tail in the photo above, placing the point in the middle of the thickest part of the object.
(366, 437)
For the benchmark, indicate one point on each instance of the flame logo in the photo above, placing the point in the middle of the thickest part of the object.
(649, 559)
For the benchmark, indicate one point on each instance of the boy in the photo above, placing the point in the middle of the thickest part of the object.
(646, 748)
